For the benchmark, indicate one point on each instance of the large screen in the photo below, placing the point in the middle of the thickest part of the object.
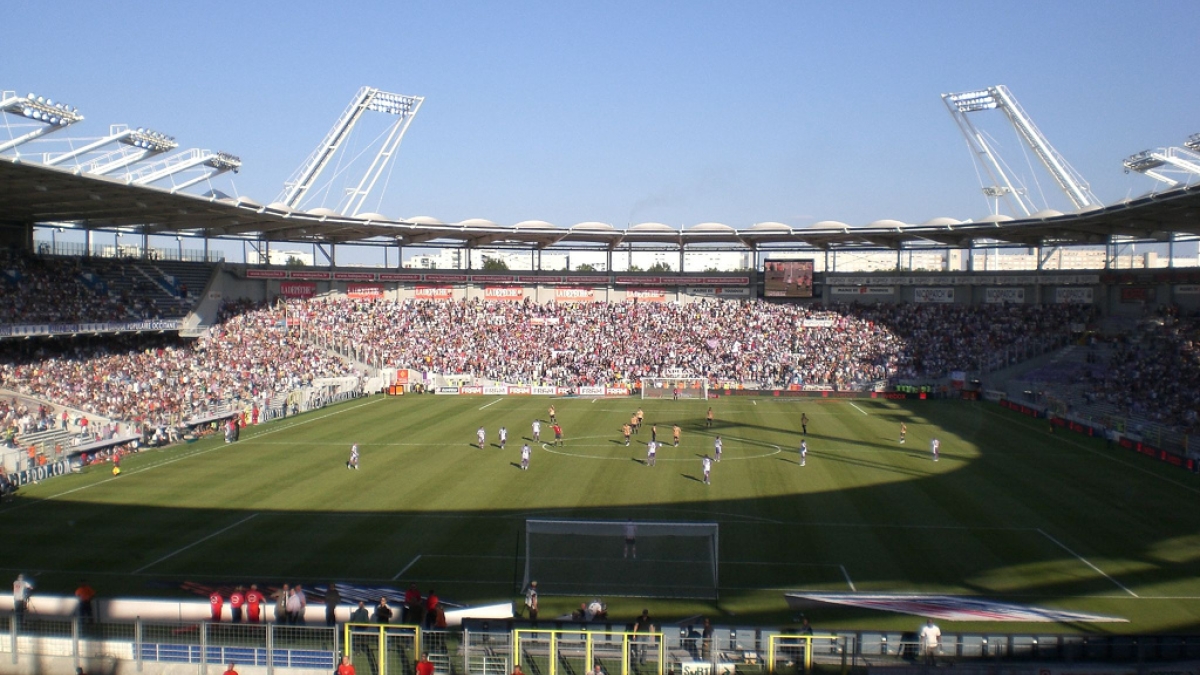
(788, 279)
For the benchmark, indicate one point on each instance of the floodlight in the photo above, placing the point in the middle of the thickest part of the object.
(1193, 142)
(1143, 161)
(151, 140)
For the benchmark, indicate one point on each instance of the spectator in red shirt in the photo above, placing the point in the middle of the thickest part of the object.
(431, 603)
(236, 601)
(424, 666)
(345, 667)
(254, 600)
(412, 605)
(216, 602)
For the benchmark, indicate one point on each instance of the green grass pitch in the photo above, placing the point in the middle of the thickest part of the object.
(1010, 512)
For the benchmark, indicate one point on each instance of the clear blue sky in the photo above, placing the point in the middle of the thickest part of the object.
(625, 112)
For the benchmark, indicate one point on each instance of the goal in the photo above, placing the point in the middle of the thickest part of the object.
(669, 387)
(669, 559)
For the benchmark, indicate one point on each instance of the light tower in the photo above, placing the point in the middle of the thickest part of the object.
(49, 115)
(1161, 163)
(138, 144)
(1003, 186)
(368, 99)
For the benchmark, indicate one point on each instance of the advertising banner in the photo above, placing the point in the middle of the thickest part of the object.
(354, 276)
(591, 391)
(616, 391)
(388, 276)
(520, 390)
(574, 294)
(504, 293)
(297, 289)
(1136, 294)
(933, 295)
(307, 275)
(718, 291)
(862, 290)
(1002, 295)
(434, 292)
(646, 294)
(500, 390)
(471, 389)
(1073, 296)
(545, 391)
(364, 291)
(448, 391)
(266, 274)
(1187, 289)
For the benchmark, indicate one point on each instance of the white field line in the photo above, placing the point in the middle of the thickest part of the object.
(177, 551)
(406, 567)
(492, 403)
(1085, 561)
(859, 409)
(182, 457)
(848, 581)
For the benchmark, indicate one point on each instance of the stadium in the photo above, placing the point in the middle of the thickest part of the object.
(1007, 451)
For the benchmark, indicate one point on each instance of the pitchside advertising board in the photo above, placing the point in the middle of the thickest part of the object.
(528, 390)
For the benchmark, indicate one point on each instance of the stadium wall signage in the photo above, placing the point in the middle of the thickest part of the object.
(862, 290)
(1001, 295)
(30, 329)
(40, 473)
(1081, 296)
(1137, 446)
(297, 289)
(943, 295)
(965, 280)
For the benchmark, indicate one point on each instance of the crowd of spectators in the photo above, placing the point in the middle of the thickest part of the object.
(1153, 373)
(52, 290)
(767, 344)
(162, 380)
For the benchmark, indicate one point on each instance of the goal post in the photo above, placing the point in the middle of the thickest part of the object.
(662, 559)
(675, 387)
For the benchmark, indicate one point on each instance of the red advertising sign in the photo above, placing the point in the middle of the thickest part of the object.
(387, 276)
(364, 291)
(354, 276)
(435, 292)
(297, 289)
(504, 293)
(314, 276)
(266, 274)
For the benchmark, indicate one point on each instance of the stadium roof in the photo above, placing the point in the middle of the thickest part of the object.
(36, 194)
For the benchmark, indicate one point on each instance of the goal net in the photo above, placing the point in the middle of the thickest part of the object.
(592, 558)
(672, 387)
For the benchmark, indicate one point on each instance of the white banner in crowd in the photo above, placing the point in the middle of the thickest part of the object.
(862, 290)
(1187, 289)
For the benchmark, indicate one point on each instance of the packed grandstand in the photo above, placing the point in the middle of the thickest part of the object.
(256, 352)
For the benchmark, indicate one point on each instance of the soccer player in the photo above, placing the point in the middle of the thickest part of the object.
(352, 463)
(903, 431)
(557, 434)
(633, 421)
(934, 446)
(717, 447)
(537, 430)
(503, 437)
(654, 432)
(675, 434)
(525, 457)
(804, 423)
(651, 453)
(640, 416)
(675, 394)
(803, 452)
(708, 418)
(630, 538)
(553, 415)
(625, 431)
(707, 464)
(480, 436)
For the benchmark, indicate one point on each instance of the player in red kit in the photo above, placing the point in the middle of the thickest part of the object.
(216, 602)
(254, 601)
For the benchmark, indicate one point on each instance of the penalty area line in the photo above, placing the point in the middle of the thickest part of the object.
(406, 567)
(1085, 561)
(176, 552)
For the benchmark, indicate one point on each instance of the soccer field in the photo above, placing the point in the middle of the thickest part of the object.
(1009, 512)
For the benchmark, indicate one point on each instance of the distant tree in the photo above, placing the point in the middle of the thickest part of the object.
(586, 267)
(293, 261)
(635, 268)
(711, 269)
(659, 267)
(493, 264)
